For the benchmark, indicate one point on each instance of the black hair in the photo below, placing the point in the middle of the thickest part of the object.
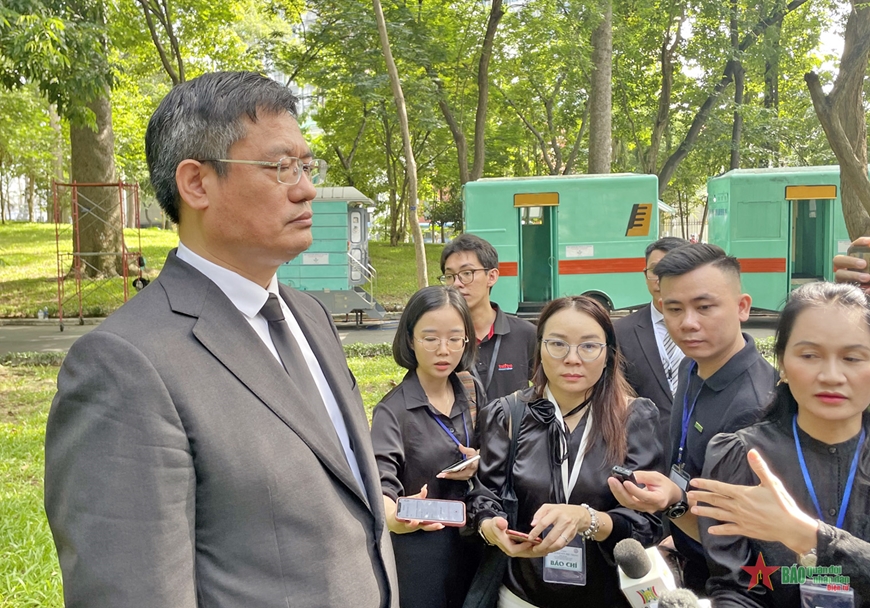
(201, 119)
(687, 258)
(485, 252)
(610, 393)
(666, 244)
(425, 300)
(847, 296)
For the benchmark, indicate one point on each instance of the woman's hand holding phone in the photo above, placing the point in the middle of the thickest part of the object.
(404, 527)
(495, 530)
(466, 472)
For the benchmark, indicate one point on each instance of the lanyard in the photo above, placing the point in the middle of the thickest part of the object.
(687, 413)
(450, 433)
(570, 480)
(493, 361)
(849, 482)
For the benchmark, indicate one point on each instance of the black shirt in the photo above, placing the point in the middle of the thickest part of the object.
(411, 448)
(512, 368)
(828, 467)
(533, 484)
(727, 401)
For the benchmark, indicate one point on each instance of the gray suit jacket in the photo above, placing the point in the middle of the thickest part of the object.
(184, 468)
(644, 371)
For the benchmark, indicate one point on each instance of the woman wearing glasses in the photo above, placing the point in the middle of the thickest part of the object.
(421, 427)
(580, 419)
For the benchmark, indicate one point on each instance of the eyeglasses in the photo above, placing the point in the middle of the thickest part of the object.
(650, 274)
(465, 277)
(587, 351)
(289, 168)
(432, 343)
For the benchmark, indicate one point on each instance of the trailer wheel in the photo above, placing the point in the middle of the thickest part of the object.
(601, 299)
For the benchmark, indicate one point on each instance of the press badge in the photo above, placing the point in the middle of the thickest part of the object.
(825, 596)
(567, 566)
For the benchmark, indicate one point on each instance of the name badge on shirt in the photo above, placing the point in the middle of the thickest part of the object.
(567, 566)
(826, 596)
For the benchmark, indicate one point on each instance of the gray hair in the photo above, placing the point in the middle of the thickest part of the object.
(202, 118)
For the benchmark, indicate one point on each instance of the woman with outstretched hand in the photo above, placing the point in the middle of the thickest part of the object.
(794, 489)
(579, 419)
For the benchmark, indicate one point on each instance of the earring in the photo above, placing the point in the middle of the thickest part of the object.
(782, 380)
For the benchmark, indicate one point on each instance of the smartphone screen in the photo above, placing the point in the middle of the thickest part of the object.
(447, 512)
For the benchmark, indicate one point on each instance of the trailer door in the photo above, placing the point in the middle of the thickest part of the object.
(537, 248)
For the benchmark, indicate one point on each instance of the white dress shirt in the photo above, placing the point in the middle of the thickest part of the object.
(249, 298)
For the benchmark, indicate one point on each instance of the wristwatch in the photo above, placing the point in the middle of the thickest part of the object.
(678, 509)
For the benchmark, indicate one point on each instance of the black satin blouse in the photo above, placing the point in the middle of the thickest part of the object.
(534, 485)
(828, 466)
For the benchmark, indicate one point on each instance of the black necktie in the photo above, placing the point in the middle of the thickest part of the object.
(293, 360)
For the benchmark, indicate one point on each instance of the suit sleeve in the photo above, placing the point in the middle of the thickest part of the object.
(389, 446)
(119, 481)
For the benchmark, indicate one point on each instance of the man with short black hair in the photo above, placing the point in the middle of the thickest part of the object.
(724, 382)
(207, 445)
(652, 358)
(506, 343)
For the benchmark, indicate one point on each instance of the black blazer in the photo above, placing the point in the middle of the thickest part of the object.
(643, 368)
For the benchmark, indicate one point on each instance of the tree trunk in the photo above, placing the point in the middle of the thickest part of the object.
(29, 189)
(841, 113)
(600, 96)
(496, 12)
(664, 110)
(739, 72)
(771, 90)
(57, 160)
(410, 162)
(99, 211)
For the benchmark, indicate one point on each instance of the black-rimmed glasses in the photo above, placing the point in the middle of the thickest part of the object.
(465, 276)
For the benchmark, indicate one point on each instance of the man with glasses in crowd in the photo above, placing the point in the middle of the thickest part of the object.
(207, 445)
(652, 358)
(505, 343)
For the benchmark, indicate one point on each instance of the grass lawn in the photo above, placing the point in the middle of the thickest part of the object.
(28, 271)
(29, 572)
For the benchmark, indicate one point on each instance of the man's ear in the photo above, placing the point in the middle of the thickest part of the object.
(491, 277)
(744, 305)
(189, 180)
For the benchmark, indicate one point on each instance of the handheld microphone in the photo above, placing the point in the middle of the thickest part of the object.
(643, 573)
(681, 598)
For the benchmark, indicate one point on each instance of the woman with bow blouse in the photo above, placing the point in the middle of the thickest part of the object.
(579, 419)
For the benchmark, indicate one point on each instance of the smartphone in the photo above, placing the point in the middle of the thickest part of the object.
(860, 251)
(461, 464)
(522, 537)
(623, 474)
(447, 512)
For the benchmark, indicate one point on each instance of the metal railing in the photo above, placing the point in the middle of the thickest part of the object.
(369, 274)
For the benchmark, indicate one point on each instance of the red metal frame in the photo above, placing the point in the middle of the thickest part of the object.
(75, 261)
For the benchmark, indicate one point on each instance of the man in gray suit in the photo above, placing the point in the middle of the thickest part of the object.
(651, 357)
(191, 458)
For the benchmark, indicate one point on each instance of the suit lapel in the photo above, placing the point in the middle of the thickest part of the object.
(322, 340)
(647, 338)
(226, 334)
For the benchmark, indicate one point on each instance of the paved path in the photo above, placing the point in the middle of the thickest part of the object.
(47, 337)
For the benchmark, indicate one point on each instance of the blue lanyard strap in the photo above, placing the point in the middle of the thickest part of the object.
(450, 433)
(687, 413)
(849, 482)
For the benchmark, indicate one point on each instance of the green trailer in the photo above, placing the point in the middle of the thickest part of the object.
(785, 225)
(336, 268)
(566, 235)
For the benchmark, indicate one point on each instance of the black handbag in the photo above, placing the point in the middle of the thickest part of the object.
(488, 578)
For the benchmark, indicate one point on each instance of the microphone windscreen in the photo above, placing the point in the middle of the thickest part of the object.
(632, 558)
(678, 598)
